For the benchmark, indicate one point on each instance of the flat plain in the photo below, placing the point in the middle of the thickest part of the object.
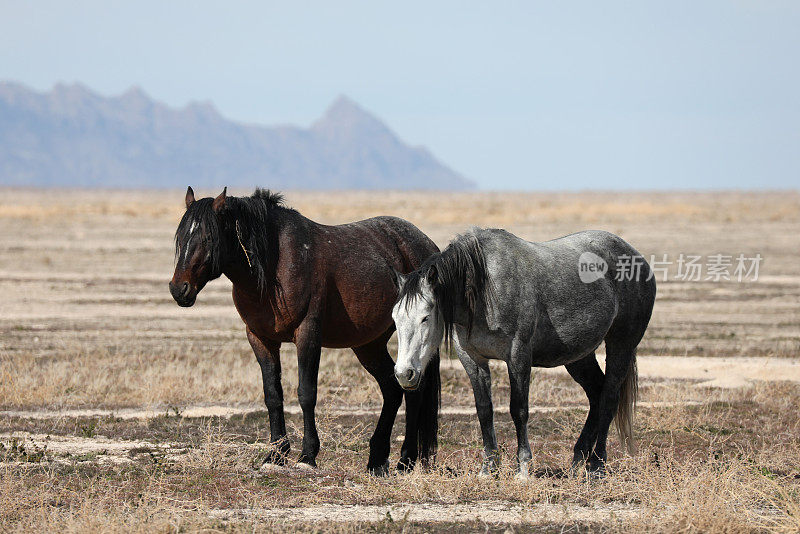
(121, 411)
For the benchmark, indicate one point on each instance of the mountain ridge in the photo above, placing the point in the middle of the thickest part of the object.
(72, 136)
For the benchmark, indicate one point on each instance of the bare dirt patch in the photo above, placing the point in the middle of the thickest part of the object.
(490, 513)
(709, 372)
(98, 449)
(721, 372)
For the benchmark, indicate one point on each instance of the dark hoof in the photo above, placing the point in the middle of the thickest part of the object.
(306, 461)
(405, 465)
(273, 457)
(487, 472)
(490, 468)
(550, 472)
(577, 469)
(380, 470)
(597, 471)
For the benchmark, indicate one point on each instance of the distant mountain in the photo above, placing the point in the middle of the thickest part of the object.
(74, 137)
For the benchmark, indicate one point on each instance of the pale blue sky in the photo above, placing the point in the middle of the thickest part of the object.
(514, 95)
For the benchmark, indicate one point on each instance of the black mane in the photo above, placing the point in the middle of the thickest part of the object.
(272, 198)
(248, 225)
(458, 277)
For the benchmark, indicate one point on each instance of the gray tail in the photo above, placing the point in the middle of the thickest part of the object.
(428, 435)
(627, 407)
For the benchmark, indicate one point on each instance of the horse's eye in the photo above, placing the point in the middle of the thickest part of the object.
(425, 319)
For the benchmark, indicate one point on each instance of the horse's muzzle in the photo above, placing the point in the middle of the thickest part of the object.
(408, 378)
(184, 294)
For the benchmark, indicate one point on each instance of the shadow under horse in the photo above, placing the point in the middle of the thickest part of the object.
(314, 285)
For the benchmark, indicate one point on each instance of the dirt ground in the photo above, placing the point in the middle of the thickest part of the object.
(121, 411)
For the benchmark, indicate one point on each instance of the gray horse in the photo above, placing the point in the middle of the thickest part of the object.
(493, 295)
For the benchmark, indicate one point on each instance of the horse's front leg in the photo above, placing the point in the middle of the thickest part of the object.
(376, 360)
(481, 379)
(268, 357)
(519, 374)
(308, 341)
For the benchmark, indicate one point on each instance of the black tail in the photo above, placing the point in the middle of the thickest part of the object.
(428, 434)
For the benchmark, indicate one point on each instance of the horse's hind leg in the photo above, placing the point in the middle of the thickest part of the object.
(519, 374)
(588, 374)
(376, 360)
(619, 360)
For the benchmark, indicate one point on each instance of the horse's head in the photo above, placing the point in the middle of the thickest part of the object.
(197, 247)
(450, 286)
(420, 326)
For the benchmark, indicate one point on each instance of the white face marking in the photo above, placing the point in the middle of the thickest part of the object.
(192, 228)
(419, 334)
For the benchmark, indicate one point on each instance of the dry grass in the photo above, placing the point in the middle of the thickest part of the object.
(87, 322)
(727, 466)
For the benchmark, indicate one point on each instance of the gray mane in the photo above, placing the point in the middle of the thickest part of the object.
(457, 276)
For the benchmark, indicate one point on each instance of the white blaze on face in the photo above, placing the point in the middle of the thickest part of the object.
(419, 334)
(192, 228)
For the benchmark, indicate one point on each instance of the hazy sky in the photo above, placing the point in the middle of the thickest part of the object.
(514, 95)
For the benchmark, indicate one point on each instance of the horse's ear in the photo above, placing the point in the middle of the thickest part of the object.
(219, 202)
(431, 275)
(398, 278)
(189, 197)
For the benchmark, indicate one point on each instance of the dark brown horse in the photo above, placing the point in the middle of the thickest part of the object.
(298, 281)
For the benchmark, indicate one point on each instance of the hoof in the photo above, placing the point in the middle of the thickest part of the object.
(487, 472)
(380, 470)
(269, 468)
(597, 470)
(306, 460)
(275, 457)
(577, 469)
(305, 466)
(272, 459)
(597, 474)
(405, 465)
(489, 468)
(523, 472)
